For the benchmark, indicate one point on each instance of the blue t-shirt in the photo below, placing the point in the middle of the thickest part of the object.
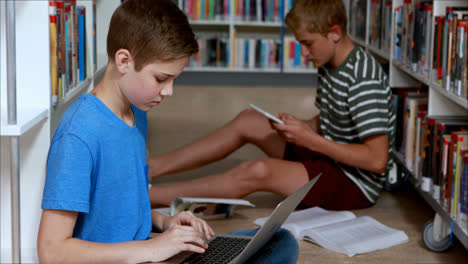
(97, 167)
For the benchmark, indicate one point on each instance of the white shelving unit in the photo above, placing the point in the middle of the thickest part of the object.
(233, 27)
(36, 118)
(441, 101)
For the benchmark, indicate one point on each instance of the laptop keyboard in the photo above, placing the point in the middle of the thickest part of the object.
(220, 250)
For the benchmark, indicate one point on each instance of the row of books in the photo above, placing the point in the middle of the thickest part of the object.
(243, 10)
(380, 24)
(214, 51)
(435, 149)
(68, 51)
(357, 18)
(257, 53)
(422, 40)
(250, 53)
(292, 57)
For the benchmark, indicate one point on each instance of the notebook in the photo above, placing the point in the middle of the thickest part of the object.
(247, 246)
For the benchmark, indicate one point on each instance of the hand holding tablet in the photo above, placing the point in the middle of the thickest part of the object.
(270, 116)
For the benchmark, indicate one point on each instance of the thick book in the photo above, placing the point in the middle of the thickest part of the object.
(341, 231)
(207, 208)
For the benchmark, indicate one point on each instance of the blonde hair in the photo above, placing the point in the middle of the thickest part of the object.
(317, 16)
(151, 30)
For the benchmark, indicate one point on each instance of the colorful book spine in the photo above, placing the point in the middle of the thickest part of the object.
(81, 11)
(53, 51)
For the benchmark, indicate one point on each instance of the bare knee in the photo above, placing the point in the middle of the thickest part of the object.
(253, 175)
(247, 118)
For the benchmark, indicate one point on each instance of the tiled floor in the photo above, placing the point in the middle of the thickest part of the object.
(194, 111)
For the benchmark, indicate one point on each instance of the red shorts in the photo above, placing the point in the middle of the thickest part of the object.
(334, 190)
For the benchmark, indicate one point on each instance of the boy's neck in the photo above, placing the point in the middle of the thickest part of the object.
(108, 91)
(343, 49)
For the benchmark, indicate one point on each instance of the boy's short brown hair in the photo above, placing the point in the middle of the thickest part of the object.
(151, 30)
(317, 16)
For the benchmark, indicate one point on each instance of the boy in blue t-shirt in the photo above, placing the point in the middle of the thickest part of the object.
(95, 202)
(96, 207)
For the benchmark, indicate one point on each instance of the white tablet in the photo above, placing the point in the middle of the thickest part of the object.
(272, 117)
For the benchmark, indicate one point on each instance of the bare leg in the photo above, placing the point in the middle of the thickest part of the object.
(248, 127)
(266, 174)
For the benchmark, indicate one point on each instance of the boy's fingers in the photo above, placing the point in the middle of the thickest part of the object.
(195, 238)
(193, 248)
(208, 231)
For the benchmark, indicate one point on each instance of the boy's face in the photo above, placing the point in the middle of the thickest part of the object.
(315, 47)
(148, 87)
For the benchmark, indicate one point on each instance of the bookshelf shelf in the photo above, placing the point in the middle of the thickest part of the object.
(210, 22)
(380, 53)
(257, 24)
(262, 70)
(409, 72)
(358, 41)
(451, 96)
(457, 230)
(300, 70)
(27, 118)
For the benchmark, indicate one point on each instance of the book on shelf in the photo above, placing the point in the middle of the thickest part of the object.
(341, 231)
(442, 127)
(426, 37)
(54, 67)
(419, 142)
(462, 218)
(69, 51)
(414, 104)
(460, 141)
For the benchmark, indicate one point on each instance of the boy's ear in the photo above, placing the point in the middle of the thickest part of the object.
(335, 33)
(123, 59)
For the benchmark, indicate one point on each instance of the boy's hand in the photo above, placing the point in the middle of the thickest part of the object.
(296, 131)
(188, 219)
(176, 239)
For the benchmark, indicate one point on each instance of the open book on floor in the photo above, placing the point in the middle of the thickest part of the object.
(341, 231)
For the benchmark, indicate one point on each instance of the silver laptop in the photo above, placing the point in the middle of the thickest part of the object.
(244, 247)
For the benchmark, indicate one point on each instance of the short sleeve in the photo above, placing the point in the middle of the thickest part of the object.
(68, 178)
(318, 97)
(369, 108)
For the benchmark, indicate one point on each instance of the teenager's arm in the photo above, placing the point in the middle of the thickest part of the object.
(56, 245)
(314, 124)
(371, 155)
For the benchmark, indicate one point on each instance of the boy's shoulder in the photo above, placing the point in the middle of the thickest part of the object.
(81, 117)
(362, 66)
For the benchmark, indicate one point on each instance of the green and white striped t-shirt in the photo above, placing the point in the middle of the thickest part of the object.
(355, 103)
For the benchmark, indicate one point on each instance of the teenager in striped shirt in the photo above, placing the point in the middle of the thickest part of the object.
(348, 141)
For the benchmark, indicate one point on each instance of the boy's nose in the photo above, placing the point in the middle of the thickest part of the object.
(304, 51)
(168, 89)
